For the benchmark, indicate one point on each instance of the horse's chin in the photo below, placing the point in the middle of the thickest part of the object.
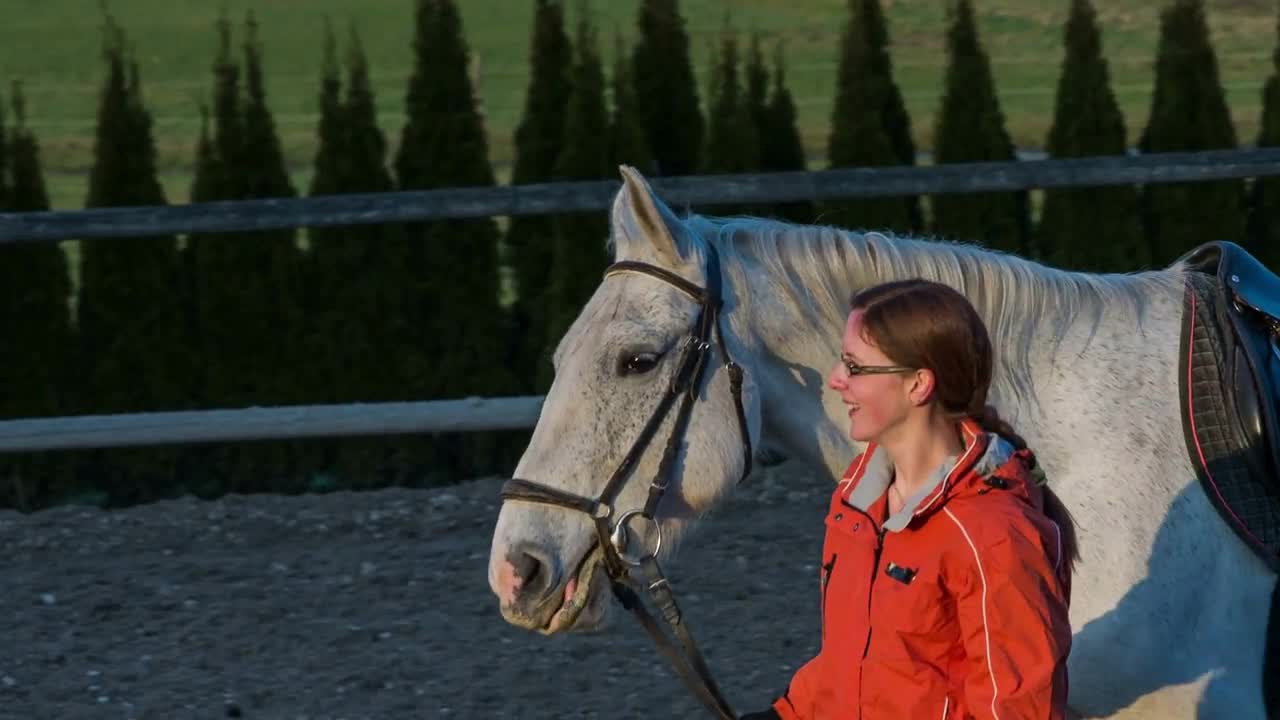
(588, 609)
(584, 609)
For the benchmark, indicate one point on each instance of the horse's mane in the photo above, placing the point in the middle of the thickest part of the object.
(819, 267)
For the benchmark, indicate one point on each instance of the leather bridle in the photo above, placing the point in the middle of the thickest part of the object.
(620, 564)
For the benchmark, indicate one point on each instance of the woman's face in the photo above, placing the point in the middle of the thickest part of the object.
(876, 401)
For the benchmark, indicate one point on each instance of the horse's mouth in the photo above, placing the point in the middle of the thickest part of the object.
(577, 594)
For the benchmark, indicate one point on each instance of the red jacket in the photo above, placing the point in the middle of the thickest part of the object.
(955, 607)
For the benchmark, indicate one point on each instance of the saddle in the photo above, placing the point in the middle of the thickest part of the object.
(1230, 388)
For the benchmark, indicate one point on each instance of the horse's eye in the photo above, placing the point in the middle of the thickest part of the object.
(636, 363)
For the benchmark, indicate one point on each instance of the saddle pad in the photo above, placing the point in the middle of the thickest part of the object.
(1215, 440)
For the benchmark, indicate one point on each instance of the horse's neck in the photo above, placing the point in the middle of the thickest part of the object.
(793, 315)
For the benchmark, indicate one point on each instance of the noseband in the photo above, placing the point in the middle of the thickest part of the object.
(621, 562)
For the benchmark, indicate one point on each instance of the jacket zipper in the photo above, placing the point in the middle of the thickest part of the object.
(871, 586)
(827, 570)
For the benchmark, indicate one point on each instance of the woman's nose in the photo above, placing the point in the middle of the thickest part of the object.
(835, 378)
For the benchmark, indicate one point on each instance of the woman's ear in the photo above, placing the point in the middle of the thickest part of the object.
(923, 383)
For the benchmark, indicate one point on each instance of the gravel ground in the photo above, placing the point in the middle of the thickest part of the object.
(375, 605)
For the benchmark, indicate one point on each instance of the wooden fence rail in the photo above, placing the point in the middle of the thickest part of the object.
(535, 199)
(302, 421)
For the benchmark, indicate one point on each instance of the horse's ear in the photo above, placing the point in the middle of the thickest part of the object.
(639, 216)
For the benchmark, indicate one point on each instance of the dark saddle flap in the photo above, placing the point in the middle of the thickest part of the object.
(1230, 383)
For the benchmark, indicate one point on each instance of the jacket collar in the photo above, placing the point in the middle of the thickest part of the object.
(870, 477)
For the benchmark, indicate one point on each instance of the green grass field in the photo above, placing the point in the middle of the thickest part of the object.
(53, 46)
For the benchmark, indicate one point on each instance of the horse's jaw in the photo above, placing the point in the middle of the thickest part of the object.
(587, 608)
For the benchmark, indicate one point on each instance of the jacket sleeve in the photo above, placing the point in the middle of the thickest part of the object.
(1012, 612)
(797, 702)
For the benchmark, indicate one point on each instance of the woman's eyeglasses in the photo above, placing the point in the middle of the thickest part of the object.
(854, 369)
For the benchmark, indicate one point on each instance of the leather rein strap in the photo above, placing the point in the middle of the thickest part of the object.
(622, 566)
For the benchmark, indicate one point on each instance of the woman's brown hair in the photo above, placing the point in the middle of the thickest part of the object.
(922, 324)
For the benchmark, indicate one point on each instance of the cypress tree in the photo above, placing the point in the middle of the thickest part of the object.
(579, 257)
(366, 145)
(756, 94)
(330, 150)
(1096, 229)
(897, 123)
(1189, 112)
(443, 144)
(203, 183)
(134, 357)
(971, 129)
(5, 181)
(733, 142)
(272, 259)
(663, 74)
(26, 190)
(538, 142)
(205, 463)
(540, 134)
(35, 284)
(217, 154)
(228, 126)
(266, 175)
(271, 285)
(1265, 203)
(627, 144)
(204, 188)
(366, 309)
(782, 149)
(215, 180)
(334, 367)
(248, 305)
(869, 124)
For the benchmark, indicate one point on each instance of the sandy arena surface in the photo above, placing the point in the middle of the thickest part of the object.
(375, 605)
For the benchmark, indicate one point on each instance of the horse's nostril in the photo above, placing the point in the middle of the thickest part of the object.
(527, 568)
(534, 575)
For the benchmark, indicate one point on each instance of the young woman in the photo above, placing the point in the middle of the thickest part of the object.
(946, 567)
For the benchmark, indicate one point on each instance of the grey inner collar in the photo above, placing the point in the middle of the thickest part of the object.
(879, 474)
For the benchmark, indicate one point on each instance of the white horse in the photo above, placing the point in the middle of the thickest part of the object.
(1170, 609)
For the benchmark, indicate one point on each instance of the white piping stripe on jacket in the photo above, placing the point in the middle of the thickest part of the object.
(1058, 531)
(986, 632)
(964, 460)
(862, 462)
(945, 707)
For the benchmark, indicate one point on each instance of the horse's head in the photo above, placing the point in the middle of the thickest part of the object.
(613, 367)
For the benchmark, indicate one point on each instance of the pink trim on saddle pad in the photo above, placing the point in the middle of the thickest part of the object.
(1191, 415)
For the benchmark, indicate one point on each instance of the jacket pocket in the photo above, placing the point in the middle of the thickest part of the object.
(828, 569)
